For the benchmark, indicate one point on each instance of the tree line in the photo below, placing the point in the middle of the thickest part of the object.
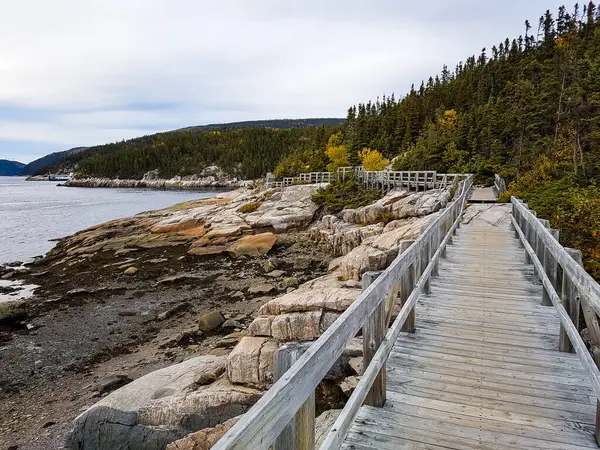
(528, 109)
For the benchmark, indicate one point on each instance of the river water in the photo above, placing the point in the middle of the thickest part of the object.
(32, 213)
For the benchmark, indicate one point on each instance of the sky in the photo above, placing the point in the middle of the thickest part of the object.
(80, 73)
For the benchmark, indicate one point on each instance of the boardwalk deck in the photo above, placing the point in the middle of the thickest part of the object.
(483, 369)
(483, 195)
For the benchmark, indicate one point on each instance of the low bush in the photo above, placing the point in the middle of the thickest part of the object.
(346, 194)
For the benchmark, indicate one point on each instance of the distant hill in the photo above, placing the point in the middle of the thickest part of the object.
(10, 168)
(242, 149)
(40, 164)
(281, 124)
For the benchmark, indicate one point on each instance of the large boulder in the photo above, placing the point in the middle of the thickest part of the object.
(258, 244)
(363, 259)
(291, 208)
(161, 407)
(297, 326)
(251, 362)
(11, 310)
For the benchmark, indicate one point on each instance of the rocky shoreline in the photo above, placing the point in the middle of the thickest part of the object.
(173, 183)
(213, 286)
(210, 177)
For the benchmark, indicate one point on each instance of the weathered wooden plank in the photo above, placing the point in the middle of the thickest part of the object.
(531, 354)
(482, 337)
(526, 388)
(476, 362)
(528, 359)
(493, 377)
(421, 417)
(466, 433)
(500, 401)
(397, 400)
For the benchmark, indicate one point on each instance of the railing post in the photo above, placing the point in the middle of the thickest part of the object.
(436, 243)
(300, 433)
(373, 333)
(550, 268)
(526, 227)
(570, 301)
(407, 284)
(424, 258)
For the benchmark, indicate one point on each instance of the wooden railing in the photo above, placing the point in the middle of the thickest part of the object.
(285, 409)
(567, 287)
(382, 180)
(499, 185)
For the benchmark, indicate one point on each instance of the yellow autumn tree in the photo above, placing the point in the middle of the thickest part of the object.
(338, 154)
(449, 119)
(372, 159)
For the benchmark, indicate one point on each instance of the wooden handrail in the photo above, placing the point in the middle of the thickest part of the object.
(573, 333)
(261, 425)
(584, 283)
(543, 250)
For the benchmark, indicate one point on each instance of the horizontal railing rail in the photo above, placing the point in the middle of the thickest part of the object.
(409, 274)
(558, 271)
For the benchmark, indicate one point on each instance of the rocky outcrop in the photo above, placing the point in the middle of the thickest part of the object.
(208, 227)
(161, 407)
(203, 439)
(351, 227)
(378, 252)
(323, 424)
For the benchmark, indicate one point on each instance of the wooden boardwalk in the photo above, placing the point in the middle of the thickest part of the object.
(483, 195)
(483, 369)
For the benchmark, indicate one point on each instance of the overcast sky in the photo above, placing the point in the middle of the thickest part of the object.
(85, 72)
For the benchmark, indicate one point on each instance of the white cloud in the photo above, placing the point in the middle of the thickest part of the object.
(105, 70)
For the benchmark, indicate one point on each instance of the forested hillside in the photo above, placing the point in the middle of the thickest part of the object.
(244, 149)
(10, 168)
(39, 165)
(528, 108)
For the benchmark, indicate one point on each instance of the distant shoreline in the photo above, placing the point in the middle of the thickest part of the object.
(158, 184)
(161, 184)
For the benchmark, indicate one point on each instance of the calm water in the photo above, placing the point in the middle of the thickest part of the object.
(32, 213)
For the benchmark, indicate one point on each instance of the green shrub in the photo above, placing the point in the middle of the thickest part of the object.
(346, 194)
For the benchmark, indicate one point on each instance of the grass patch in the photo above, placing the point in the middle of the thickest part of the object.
(249, 207)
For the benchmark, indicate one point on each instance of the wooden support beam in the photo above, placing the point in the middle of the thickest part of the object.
(374, 331)
(300, 433)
